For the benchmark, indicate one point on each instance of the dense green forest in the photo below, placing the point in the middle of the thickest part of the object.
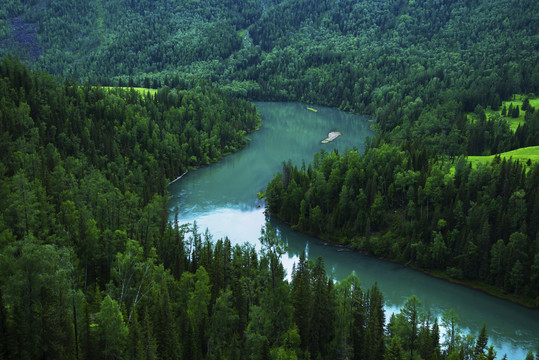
(91, 268)
(416, 66)
(418, 203)
(385, 58)
(397, 202)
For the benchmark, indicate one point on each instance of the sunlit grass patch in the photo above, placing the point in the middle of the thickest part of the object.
(523, 155)
(140, 90)
(513, 122)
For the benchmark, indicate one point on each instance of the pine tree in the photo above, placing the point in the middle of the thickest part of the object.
(320, 324)
(135, 351)
(525, 104)
(374, 337)
(517, 276)
(425, 342)
(491, 353)
(411, 313)
(450, 321)
(149, 344)
(359, 323)
(394, 351)
(165, 330)
(515, 113)
(435, 353)
(481, 343)
(301, 298)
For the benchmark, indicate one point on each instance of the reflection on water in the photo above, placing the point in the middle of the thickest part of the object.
(223, 198)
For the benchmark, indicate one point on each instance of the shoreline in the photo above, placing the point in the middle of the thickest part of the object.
(178, 178)
(247, 140)
(441, 275)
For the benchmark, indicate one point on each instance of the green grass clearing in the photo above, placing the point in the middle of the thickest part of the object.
(140, 90)
(522, 154)
(513, 122)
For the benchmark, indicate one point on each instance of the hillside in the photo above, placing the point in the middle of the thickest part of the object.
(524, 155)
(389, 59)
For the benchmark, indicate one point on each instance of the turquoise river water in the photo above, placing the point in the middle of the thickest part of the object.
(223, 198)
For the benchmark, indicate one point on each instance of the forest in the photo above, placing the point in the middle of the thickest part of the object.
(91, 267)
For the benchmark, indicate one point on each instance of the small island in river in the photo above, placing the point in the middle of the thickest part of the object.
(331, 136)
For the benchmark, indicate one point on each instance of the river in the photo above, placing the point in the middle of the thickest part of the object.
(223, 198)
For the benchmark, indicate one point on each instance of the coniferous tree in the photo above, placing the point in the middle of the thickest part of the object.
(166, 335)
(322, 311)
(481, 343)
(301, 296)
(135, 349)
(148, 341)
(516, 112)
(359, 314)
(411, 312)
(394, 351)
(375, 324)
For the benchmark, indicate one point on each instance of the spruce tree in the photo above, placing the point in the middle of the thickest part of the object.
(411, 313)
(148, 341)
(525, 104)
(134, 344)
(374, 338)
(516, 113)
(394, 351)
(481, 343)
(301, 297)
(359, 317)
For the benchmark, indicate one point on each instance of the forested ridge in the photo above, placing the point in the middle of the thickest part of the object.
(416, 66)
(384, 58)
(91, 267)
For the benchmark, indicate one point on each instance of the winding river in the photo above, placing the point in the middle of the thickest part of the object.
(223, 198)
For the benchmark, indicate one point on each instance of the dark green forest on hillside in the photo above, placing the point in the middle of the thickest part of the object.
(91, 267)
(474, 224)
(384, 58)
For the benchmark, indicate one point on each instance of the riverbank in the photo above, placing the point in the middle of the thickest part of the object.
(490, 290)
(484, 288)
(221, 156)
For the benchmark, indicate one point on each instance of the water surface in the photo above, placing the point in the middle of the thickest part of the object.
(223, 198)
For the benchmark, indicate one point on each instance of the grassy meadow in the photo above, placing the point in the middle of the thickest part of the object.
(513, 122)
(140, 90)
(522, 154)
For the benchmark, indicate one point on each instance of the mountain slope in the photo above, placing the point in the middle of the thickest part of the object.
(376, 57)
